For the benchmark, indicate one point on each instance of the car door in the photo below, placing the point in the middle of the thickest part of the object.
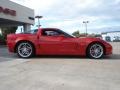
(50, 43)
(69, 44)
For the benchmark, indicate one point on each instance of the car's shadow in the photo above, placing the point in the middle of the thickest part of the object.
(113, 57)
(110, 57)
(14, 56)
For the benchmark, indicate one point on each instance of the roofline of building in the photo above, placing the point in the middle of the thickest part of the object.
(109, 32)
(21, 5)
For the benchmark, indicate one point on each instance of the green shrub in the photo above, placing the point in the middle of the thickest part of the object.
(2, 39)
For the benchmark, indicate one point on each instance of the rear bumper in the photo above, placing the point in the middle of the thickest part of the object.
(11, 46)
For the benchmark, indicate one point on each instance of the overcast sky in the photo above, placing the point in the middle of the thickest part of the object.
(70, 14)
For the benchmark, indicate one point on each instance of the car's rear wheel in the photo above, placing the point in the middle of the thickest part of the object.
(25, 50)
(95, 51)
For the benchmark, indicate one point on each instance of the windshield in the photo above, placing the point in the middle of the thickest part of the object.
(66, 34)
(70, 34)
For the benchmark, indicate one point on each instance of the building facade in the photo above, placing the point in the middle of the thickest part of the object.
(13, 14)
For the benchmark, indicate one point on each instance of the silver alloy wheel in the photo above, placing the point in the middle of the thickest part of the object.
(96, 51)
(25, 50)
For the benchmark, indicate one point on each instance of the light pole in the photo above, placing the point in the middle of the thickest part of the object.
(85, 22)
(39, 17)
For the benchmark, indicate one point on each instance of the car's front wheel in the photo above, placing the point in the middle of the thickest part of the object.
(25, 50)
(95, 51)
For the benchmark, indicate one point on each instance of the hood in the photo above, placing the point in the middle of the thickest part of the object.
(89, 38)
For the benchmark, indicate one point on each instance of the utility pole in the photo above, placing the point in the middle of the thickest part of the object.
(85, 22)
(39, 17)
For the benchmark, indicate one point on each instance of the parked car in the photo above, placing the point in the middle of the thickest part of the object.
(52, 41)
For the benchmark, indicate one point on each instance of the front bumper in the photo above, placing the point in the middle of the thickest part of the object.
(109, 49)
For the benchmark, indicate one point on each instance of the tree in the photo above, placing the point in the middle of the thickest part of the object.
(76, 33)
(8, 30)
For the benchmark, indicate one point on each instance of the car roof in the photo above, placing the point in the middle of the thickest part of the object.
(49, 28)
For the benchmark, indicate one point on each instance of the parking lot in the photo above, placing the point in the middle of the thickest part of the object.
(59, 73)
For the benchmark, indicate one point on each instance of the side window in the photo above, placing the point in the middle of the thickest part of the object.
(53, 32)
(50, 33)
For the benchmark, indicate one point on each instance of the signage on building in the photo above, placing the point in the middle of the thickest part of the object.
(7, 11)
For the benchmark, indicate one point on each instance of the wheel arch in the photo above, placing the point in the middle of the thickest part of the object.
(97, 43)
(24, 41)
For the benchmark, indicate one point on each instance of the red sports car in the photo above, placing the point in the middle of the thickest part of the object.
(52, 41)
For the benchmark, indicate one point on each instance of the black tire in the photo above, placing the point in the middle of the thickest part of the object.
(95, 51)
(25, 50)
